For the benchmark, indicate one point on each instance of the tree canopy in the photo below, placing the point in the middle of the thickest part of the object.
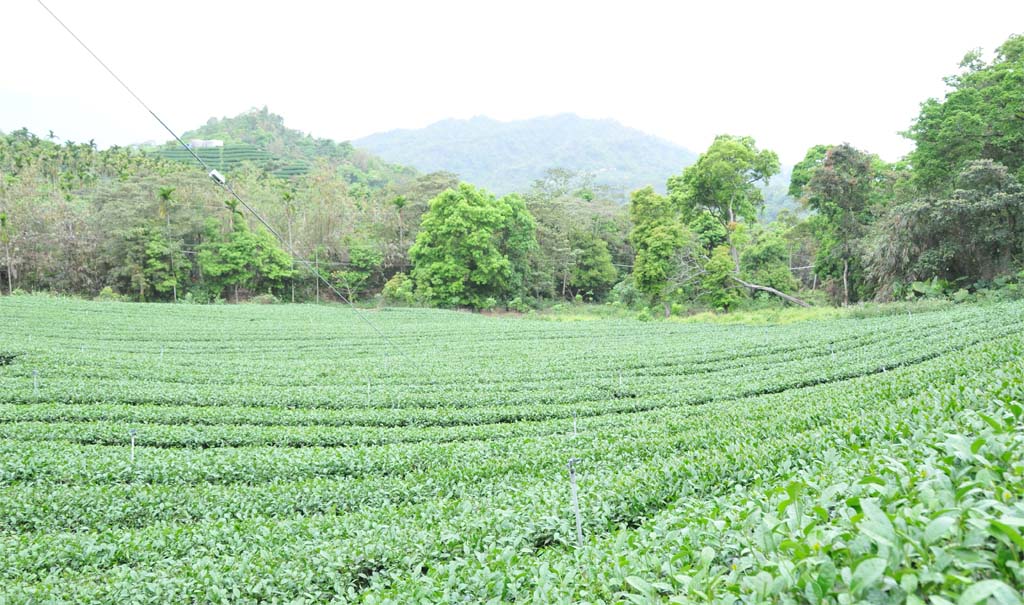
(472, 248)
(981, 117)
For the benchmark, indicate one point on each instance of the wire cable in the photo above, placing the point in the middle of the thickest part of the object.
(221, 181)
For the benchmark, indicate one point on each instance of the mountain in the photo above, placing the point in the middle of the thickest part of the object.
(260, 137)
(509, 156)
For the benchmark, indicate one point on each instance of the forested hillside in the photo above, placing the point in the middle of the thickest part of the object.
(719, 233)
(261, 138)
(508, 156)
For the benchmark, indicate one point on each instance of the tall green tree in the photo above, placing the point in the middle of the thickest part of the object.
(723, 182)
(981, 117)
(165, 195)
(593, 272)
(805, 169)
(658, 236)
(5, 239)
(577, 226)
(839, 188)
(165, 265)
(472, 248)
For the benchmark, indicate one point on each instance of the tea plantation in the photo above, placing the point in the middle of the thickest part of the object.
(289, 454)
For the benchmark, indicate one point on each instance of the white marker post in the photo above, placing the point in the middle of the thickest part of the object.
(131, 433)
(576, 503)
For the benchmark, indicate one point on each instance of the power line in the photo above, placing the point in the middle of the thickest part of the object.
(219, 179)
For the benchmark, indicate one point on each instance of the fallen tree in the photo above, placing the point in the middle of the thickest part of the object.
(786, 297)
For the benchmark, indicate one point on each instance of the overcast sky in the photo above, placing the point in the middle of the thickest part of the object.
(791, 74)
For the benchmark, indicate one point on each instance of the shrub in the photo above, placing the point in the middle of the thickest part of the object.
(398, 290)
(264, 299)
(107, 294)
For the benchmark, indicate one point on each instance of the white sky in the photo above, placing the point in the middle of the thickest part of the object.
(791, 74)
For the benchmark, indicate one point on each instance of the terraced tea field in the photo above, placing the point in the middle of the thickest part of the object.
(288, 454)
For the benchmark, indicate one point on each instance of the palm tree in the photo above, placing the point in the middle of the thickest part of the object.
(166, 202)
(399, 203)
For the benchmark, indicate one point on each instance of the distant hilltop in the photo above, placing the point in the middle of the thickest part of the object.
(260, 138)
(509, 156)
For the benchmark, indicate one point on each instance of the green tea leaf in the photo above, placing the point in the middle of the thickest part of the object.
(938, 528)
(867, 574)
(981, 591)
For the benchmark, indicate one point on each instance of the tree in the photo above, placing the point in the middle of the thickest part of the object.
(592, 271)
(571, 216)
(243, 259)
(708, 231)
(165, 265)
(5, 238)
(839, 188)
(472, 248)
(805, 168)
(975, 234)
(717, 280)
(982, 117)
(658, 237)
(723, 185)
(400, 202)
(766, 261)
(723, 182)
(165, 196)
(363, 261)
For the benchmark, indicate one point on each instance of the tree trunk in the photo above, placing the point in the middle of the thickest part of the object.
(10, 270)
(732, 247)
(668, 308)
(401, 232)
(174, 278)
(846, 283)
(786, 297)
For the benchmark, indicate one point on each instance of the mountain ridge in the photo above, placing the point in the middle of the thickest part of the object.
(506, 156)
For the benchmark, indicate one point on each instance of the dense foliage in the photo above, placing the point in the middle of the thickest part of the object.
(946, 221)
(982, 117)
(286, 453)
(472, 248)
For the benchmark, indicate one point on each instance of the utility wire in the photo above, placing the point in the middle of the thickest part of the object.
(220, 180)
